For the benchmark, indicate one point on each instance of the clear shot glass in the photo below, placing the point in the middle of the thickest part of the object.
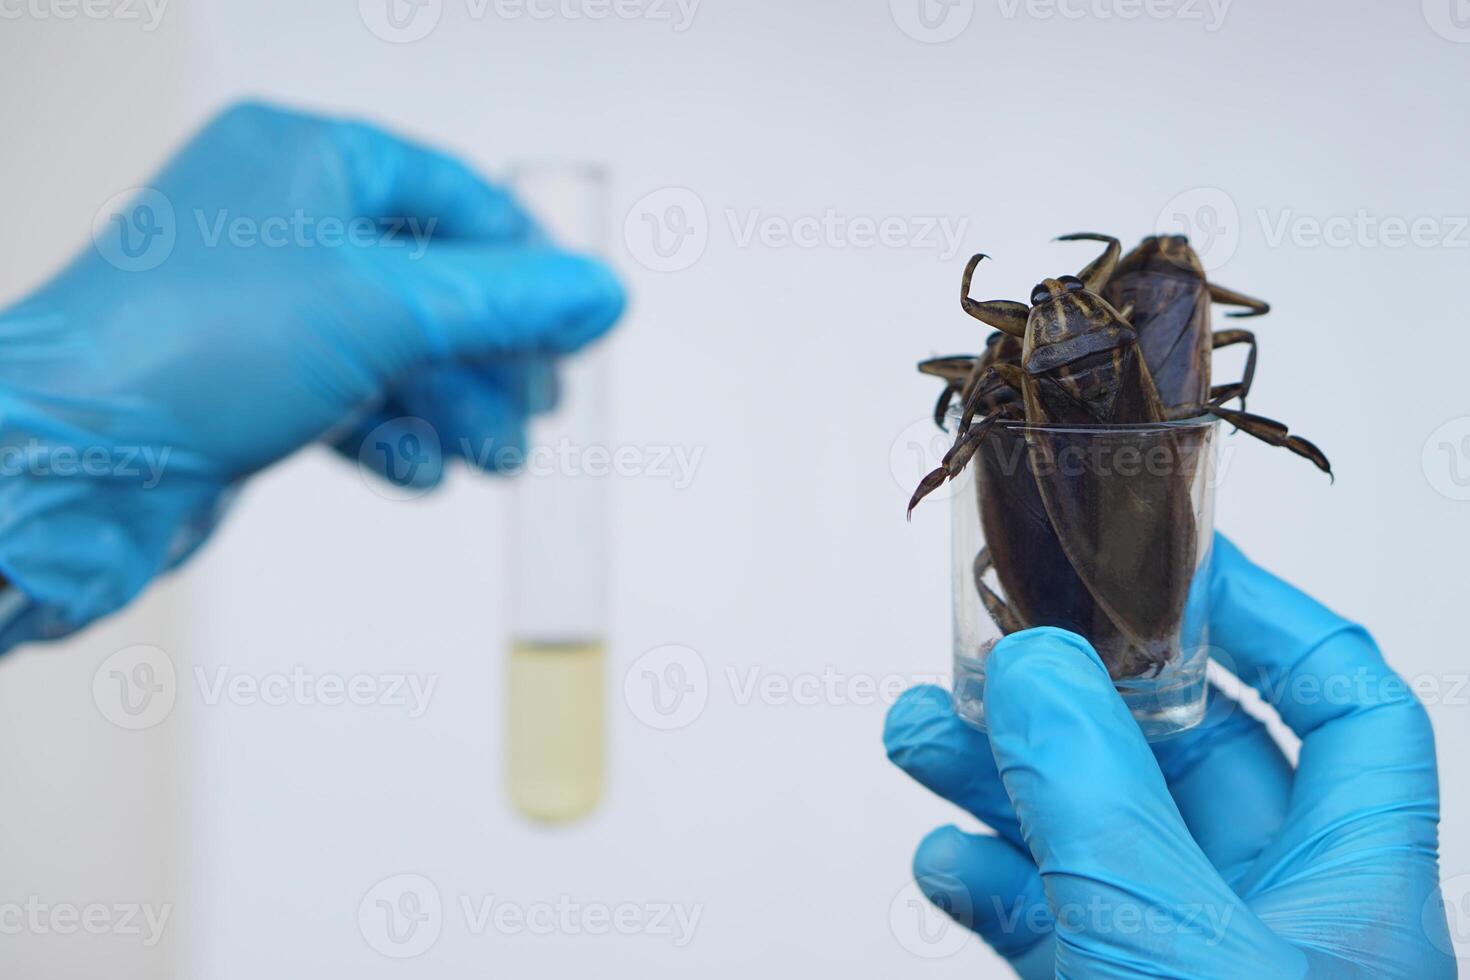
(557, 540)
(1102, 530)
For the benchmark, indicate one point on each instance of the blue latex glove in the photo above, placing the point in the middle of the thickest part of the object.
(287, 279)
(1207, 855)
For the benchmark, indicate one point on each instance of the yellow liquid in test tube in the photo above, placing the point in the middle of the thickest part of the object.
(556, 719)
(556, 542)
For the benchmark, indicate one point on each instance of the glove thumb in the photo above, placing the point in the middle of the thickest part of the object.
(1125, 880)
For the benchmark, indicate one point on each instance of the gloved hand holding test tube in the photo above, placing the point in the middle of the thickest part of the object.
(557, 542)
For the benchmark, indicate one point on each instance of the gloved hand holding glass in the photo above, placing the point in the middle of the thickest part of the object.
(1203, 855)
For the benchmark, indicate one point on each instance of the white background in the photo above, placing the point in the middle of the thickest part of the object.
(790, 369)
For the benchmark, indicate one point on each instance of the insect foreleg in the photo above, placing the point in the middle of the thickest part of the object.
(1095, 274)
(1229, 297)
(959, 455)
(1002, 314)
(1001, 613)
(1267, 430)
(1220, 394)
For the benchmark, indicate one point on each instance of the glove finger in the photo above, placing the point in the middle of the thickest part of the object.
(475, 301)
(1096, 813)
(537, 381)
(396, 178)
(402, 449)
(993, 889)
(1228, 776)
(1231, 782)
(926, 739)
(1367, 746)
(478, 417)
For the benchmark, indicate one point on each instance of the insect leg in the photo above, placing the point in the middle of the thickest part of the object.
(959, 455)
(1229, 297)
(1223, 393)
(955, 368)
(956, 372)
(962, 452)
(1002, 314)
(1095, 274)
(974, 393)
(941, 407)
(1267, 430)
(1001, 613)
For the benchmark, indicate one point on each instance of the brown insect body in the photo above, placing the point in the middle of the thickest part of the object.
(1131, 541)
(1162, 283)
(1081, 361)
(1034, 570)
(1087, 549)
(1165, 286)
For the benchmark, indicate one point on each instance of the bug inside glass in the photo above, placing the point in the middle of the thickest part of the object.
(1102, 530)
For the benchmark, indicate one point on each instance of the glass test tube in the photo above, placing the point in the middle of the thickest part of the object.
(557, 542)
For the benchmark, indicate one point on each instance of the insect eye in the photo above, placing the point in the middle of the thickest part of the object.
(1072, 284)
(1040, 295)
(1178, 241)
